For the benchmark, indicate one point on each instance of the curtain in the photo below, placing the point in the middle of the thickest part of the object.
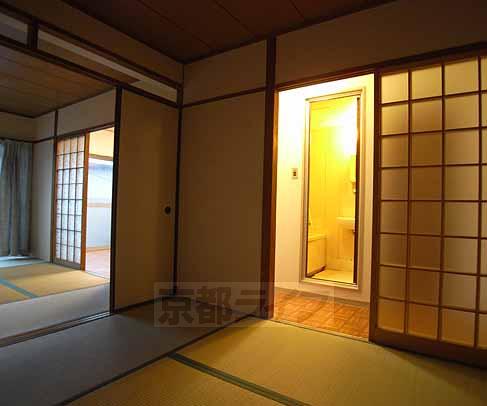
(15, 197)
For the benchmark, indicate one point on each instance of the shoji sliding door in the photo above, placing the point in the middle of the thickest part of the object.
(70, 220)
(431, 209)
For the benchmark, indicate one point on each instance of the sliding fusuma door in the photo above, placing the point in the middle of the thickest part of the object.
(430, 255)
(146, 199)
(70, 197)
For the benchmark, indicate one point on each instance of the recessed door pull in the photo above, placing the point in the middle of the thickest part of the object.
(167, 210)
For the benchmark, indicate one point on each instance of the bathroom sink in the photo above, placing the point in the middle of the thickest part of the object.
(347, 222)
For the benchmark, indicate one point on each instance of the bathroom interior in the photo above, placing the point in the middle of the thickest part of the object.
(331, 197)
(324, 206)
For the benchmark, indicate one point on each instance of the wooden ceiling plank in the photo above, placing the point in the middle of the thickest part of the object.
(39, 66)
(264, 17)
(315, 10)
(11, 97)
(137, 21)
(33, 90)
(204, 19)
(19, 110)
(188, 30)
(55, 83)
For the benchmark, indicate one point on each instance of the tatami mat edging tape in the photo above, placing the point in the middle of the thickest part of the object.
(17, 289)
(259, 390)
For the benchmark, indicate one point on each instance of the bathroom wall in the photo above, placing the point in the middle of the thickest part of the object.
(331, 191)
(289, 204)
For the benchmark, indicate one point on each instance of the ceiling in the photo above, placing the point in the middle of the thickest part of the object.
(190, 29)
(32, 87)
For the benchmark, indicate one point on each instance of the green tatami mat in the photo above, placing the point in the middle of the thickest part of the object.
(168, 382)
(324, 369)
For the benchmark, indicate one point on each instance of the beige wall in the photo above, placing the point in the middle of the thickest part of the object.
(93, 112)
(398, 29)
(17, 127)
(45, 126)
(146, 184)
(241, 69)
(289, 202)
(42, 166)
(219, 236)
(70, 19)
(221, 192)
(101, 143)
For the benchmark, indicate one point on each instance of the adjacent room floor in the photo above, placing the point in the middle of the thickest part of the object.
(25, 282)
(321, 312)
(98, 263)
(35, 294)
(30, 315)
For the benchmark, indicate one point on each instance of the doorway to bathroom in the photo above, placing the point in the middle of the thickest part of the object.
(323, 242)
(331, 171)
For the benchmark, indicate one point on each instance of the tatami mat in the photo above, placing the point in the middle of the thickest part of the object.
(168, 382)
(48, 370)
(46, 279)
(8, 295)
(323, 369)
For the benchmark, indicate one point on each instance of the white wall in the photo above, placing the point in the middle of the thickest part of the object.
(289, 204)
(93, 112)
(42, 168)
(45, 126)
(98, 230)
(41, 200)
(393, 30)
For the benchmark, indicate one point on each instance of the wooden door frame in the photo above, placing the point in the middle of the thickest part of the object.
(86, 133)
(84, 217)
(54, 200)
(414, 344)
(359, 95)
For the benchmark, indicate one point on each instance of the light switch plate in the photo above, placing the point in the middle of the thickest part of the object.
(294, 173)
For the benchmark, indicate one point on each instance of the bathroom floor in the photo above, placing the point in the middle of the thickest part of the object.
(321, 312)
(335, 275)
